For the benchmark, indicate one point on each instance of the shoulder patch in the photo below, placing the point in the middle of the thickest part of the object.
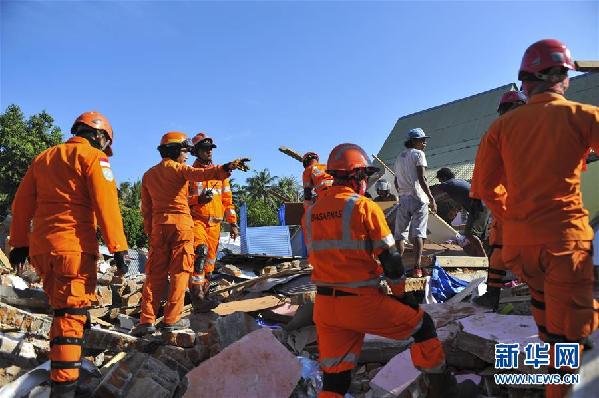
(104, 162)
(107, 172)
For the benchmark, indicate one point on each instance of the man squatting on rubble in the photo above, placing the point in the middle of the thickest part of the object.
(67, 192)
(537, 152)
(478, 215)
(415, 196)
(168, 223)
(497, 269)
(210, 202)
(346, 236)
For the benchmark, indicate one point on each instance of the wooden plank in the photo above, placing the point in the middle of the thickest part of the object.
(249, 305)
(466, 291)
(438, 230)
(462, 262)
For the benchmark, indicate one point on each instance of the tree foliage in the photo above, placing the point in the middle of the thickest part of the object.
(21, 140)
(264, 194)
(130, 204)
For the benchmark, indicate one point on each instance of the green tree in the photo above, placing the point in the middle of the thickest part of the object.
(21, 140)
(264, 194)
(130, 204)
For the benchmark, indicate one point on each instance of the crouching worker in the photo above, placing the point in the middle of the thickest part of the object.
(168, 223)
(351, 247)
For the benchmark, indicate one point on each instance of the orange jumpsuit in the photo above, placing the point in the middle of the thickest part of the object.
(316, 178)
(168, 223)
(539, 151)
(66, 193)
(345, 232)
(207, 217)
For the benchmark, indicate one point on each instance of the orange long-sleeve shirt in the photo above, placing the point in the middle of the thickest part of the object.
(539, 151)
(164, 190)
(316, 177)
(220, 207)
(345, 232)
(67, 191)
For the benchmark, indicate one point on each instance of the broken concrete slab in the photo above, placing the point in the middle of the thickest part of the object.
(399, 378)
(35, 324)
(303, 317)
(27, 298)
(139, 375)
(109, 340)
(300, 338)
(229, 329)
(482, 331)
(249, 305)
(18, 351)
(26, 383)
(255, 366)
(381, 349)
(444, 313)
(465, 292)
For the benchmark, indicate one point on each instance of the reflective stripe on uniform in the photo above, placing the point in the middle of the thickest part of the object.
(227, 189)
(346, 242)
(211, 261)
(329, 362)
(230, 212)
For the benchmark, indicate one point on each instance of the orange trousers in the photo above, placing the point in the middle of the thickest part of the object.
(342, 321)
(560, 278)
(170, 256)
(69, 281)
(208, 234)
(497, 269)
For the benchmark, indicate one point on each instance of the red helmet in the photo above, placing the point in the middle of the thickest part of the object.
(96, 121)
(203, 139)
(348, 158)
(309, 156)
(511, 97)
(543, 55)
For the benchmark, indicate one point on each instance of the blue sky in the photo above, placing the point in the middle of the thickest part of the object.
(256, 75)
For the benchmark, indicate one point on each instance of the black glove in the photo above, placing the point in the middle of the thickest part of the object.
(18, 256)
(121, 260)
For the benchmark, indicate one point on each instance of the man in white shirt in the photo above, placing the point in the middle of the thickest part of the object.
(414, 195)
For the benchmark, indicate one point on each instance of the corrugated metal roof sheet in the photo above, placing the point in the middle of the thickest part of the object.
(456, 128)
(267, 241)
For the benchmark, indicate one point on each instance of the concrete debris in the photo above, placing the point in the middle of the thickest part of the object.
(139, 375)
(255, 366)
(36, 376)
(247, 345)
(229, 329)
(24, 321)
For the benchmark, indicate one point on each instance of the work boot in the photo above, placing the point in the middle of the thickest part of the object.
(65, 389)
(442, 385)
(142, 329)
(490, 299)
(171, 327)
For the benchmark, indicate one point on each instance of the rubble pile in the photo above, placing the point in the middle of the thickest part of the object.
(259, 341)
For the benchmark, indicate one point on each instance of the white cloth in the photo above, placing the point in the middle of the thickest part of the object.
(406, 175)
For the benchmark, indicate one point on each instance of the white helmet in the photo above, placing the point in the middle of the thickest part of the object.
(382, 185)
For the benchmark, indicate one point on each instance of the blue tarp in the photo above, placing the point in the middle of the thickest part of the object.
(444, 286)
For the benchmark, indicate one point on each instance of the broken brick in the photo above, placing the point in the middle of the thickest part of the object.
(180, 338)
(229, 329)
(25, 321)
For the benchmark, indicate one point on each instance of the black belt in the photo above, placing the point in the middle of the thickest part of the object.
(331, 291)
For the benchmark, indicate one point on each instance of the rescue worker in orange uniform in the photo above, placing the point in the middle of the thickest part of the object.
(497, 269)
(67, 192)
(538, 151)
(168, 223)
(211, 202)
(315, 179)
(351, 247)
